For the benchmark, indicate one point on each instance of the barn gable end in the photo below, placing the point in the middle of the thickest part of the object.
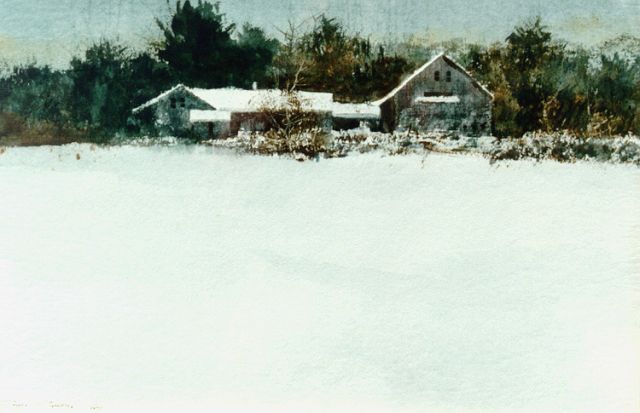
(439, 96)
(170, 112)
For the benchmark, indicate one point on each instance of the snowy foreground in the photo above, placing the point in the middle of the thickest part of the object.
(154, 279)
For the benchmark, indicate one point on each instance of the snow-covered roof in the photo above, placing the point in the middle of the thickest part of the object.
(209, 116)
(242, 100)
(422, 68)
(158, 98)
(356, 110)
(438, 99)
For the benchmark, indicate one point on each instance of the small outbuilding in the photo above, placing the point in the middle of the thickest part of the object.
(219, 113)
(348, 116)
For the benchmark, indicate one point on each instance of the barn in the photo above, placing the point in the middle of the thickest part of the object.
(219, 113)
(439, 96)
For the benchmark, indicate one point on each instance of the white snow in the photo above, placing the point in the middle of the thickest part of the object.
(438, 99)
(356, 110)
(196, 116)
(242, 100)
(179, 278)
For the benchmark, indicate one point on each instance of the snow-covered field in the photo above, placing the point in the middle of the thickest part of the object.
(190, 279)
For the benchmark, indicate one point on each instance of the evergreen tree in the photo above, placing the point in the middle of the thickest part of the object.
(529, 52)
(199, 47)
(36, 93)
(257, 51)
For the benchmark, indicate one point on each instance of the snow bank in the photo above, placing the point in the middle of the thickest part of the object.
(534, 146)
(187, 278)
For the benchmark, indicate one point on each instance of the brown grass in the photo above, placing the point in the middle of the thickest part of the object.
(16, 131)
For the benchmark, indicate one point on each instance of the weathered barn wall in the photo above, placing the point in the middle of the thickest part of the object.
(172, 113)
(471, 115)
(210, 130)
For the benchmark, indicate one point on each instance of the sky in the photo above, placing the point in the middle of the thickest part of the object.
(52, 31)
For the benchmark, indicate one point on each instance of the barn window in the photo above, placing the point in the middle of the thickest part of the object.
(173, 103)
(448, 75)
(182, 102)
(431, 94)
(436, 76)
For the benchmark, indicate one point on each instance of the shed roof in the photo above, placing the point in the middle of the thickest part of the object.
(196, 116)
(242, 100)
(356, 110)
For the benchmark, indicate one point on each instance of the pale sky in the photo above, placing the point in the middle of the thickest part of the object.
(51, 31)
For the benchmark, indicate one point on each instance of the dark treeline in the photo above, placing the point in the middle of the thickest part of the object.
(539, 82)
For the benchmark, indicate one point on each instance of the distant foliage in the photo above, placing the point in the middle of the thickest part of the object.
(616, 96)
(200, 49)
(100, 83)
(530, 59)
(328, 59)
(542, 85)
(108, 81)
(257, 51)
(91, 100)
(36, 93)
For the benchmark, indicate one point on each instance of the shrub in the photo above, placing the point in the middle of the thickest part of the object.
(292, 127)
(568, 148)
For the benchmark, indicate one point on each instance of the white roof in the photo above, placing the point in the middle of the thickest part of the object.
(438, 99)
(157, 98)
(356, 110)
(209, 116)
(242, 100)
(421, 69)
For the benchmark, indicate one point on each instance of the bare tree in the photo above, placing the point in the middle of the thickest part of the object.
(290, 63)
(293, 125)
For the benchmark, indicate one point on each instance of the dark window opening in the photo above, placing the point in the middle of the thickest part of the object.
(448, 76)
(210, 130)
(436, 76)
(173, 103)
(182, 102)
(431, 94)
